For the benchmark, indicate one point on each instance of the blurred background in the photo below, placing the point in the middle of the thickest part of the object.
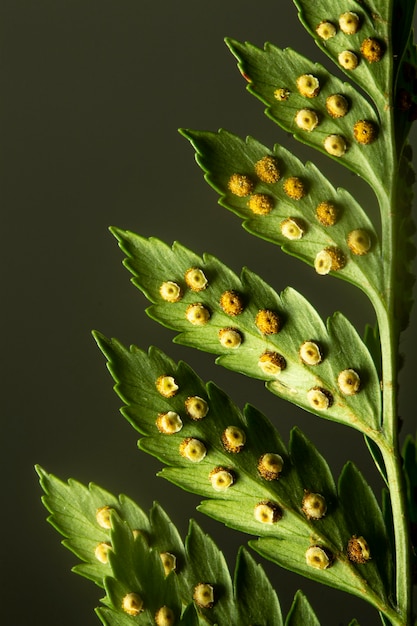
(92, 94)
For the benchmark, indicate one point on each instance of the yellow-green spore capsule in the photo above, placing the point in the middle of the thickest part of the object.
(103, 516)
(270, 465)
(197, 314)
(314, 505)
(292, 228)
(358, 550)
(317, 557)
(359, 241)
(221, 478)
(337, 106)
(167, 386)
(169, 562)
(349, 22)
(260, 203)
(306, 119)
(335, 145)
(169, 423)
(308, 85)
(203, 595)
(267, 169)
(240, 185)
(349, 382)
(348, 60)
(271, 363)
(326, 30)
(101, 552)
(196, 279)
(233, 439)
(193, 449)
(164, 616)
(230, 338)
(196, 407)
(132, 604)
(267, 512)
(319, 398)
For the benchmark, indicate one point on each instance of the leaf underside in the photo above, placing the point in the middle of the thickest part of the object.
(134, 565)
(152, 263)
(137, 373)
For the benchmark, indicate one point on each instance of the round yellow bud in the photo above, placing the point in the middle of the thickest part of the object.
(169, 562)
(204, 595)
(197, 314)
(169, 423)
(267, 169)
(349, 382)
(167, 386)
(318, 557)
(193, 449)
(170, 291)
(240, 185)
(292, 228)
(327, 213)
(221, 478)
(260, 204)
(359, 241)
(314, 505)
(233, 439)
(372, 50)
(268, 322)
(337, 105)
(196, 279)
(326, 30)
(348, 60)
(103, 516)
(270, 465)
(310, 353)
(306, 119)
(230, 337)
(330, 259)
(196, 407)
(132, 604)
(308, 85)
(232, 302)
(294, 188)
(365, 132)
(102, 552)
(349, 23)
(271, 363)
(319, 398)
(164, 616)
(267, 512)
(335, 145)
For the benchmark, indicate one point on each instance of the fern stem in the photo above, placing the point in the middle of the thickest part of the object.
(389, 442)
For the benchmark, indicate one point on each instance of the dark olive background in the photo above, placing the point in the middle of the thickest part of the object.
(92, 94)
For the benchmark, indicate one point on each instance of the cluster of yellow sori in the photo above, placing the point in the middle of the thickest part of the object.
(294, 228)
(369, 49)
(268, 323)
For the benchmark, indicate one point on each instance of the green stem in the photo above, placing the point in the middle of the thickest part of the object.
(389, 441)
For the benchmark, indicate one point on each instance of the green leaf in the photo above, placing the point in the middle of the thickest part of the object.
(245, 486)
(256, 601)
(364, 517)
(222, 154)
(273, 69)
(74, 508)
(339, 348)
(375, 77)
(135, 565)
(301, 613)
